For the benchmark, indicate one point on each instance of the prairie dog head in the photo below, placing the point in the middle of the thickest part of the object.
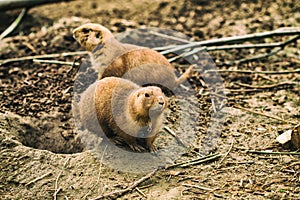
(91, 35)
(149, 101)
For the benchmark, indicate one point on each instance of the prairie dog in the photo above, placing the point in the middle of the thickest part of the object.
(113, 58)
(125, 111)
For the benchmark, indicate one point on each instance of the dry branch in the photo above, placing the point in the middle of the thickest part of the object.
(56, 62)
(175, 136)
(252, 72)
(236, 39)
(192, 161)
(38, 178)
(55, 55)
(266, 86)
(201, 161)
(273, 152)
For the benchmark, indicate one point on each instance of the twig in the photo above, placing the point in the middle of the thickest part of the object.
(56, 62)
(265, 54)
(99, 174)
(257, 57)
(251, 72)
(198, 187)
(265, 115)
(236, 39)
(164, 47)
(190, 161)
(170, 37)
(246, 46)
(232, 142)
(187, 53)
(139, 191)
(38, 178)
(245, 90)
(213, 105)
(175, 136)
(201, 161)
(42, 56)
(271, 152)
(57, 190)
(266, 86)
(118, 193)
(15, 24)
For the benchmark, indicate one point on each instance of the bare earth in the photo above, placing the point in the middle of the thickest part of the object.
(41, 157)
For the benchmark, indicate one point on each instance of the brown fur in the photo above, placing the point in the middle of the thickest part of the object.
(113, 58)
(125, 111)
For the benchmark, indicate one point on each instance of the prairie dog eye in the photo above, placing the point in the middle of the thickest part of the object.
(85, 31)
(147, 95)
(98, 35)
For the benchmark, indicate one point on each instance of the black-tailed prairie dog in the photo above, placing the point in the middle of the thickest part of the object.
(113, 58)
(125, 111)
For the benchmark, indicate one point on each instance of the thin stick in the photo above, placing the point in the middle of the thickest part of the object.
(245, 90)
(15, 24)
(118, 193)
(175, 136)
(198, 187)
(186, 54)
(190, 161)
(139, 191)
(232, 142)
(38, 178)
(265, 115)
(266, 86)
(201, 161)
(236, 39)
(251, 72)
(57, 190)
(275, 153)
(213, 105)
(56, 62)
(257, 57)
(170, 37)
(265, 54)
(42, 56)
(246, 46)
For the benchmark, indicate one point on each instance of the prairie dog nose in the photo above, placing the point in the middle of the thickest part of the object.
(161, 100)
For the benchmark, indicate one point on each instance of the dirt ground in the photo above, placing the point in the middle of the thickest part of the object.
(42, 157)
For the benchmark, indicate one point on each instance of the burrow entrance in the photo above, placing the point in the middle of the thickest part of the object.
(46, 133)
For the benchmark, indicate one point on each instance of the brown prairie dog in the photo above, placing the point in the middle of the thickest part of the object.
(116, 59)
(125, 111)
